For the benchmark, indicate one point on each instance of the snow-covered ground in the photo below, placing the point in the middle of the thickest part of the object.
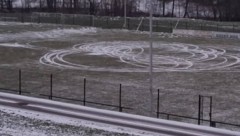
(184, 67)
(49, 34)
(19, 122)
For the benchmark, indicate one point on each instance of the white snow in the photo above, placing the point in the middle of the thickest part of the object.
(13, 23)
(49, 34)
(17, 45)
(19, 131)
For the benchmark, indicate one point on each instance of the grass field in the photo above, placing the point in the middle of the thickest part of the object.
(184, 67)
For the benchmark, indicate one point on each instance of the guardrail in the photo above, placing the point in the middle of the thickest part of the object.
(113, 118)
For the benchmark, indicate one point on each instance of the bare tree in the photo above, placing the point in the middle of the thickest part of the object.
(186, 9)
(173, 7)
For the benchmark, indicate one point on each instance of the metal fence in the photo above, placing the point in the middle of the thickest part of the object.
(44, 85)
(201, 119)
(209, 26)
(133, 23)
(58, 87)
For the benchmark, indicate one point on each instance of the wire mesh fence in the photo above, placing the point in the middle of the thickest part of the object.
(34, 82)
(133, 23)
(9, 79)
(206, 111)
(208, 25)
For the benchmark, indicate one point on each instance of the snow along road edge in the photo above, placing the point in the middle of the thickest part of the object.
(113, 118)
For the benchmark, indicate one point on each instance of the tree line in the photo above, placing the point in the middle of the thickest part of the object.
(222, 10)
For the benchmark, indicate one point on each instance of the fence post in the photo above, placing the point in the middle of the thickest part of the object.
(84, 92)
(120, 98)
(158, 105)
(20, 81)
(56, 18)
(73, 19)
(92, 20)
(128, 23)
(142, 27)
(22, 18)
(168, 116)
(210, 114)
(39, 19)
(51, 86)
(107, 22)
(199, 109)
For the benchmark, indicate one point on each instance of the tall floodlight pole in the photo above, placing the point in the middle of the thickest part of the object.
(125, 14)
(151, 56)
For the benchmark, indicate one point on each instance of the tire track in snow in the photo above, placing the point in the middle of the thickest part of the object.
(166, 57)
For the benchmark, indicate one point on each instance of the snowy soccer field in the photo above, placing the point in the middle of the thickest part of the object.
(184, 67)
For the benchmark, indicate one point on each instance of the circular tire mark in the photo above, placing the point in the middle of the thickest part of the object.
(166, 57)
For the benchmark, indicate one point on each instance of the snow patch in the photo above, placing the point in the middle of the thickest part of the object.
(50, 34)
(62, 120)
(5, 23)
(17, 45)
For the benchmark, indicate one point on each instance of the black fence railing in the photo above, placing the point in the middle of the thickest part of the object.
(199, 119)
(212, 123)
(50, 96)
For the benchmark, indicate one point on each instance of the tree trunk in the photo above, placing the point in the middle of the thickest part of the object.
(92, 7)
(197, 9)
(49, 5)
(9, 5)
(163, 13)
(75, 5)
(55, 5)
(173, 6)
(186, 9)
(63, 4)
